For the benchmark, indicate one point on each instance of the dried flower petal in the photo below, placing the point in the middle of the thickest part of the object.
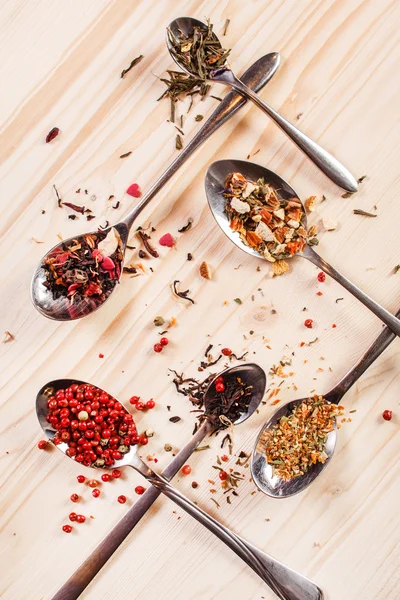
(205, 270)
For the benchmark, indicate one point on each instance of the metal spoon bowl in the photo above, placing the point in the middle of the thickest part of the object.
(262, 472)
(214, 185)
(183, 27)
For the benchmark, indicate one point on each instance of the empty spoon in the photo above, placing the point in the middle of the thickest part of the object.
(214, 184)
(286, 583)
(262, 472)
(183, 28)
(61, 309)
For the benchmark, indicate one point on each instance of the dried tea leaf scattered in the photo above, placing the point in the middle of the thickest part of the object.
(280, 267)
(133, 64)
(8, 337)
(205, 270)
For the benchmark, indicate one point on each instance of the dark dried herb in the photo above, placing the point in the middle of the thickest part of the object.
(75, 207)
(178, 142)
(215, 502)
(186, 227)
(133, 64)
(116, 205)
(129, 270)
(59, 201)
(105, 226)
(205, 365)
(359, 211)
(142, 254)
(53, 133)
(396, 269)
(226, 26)
(72, 217)
(179, 129)
(126, 154)
(243, 355)
(90, 217)
(338, 300)
(189, 256)
(146, 243)
(209, 347)
(200, 52)
(199, 118)
(238, 301)
(216, 98)
(184, 295)
(175, 419)
(361, 179)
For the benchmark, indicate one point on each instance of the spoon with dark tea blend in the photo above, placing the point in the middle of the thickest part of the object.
(72, 279)
(262, 214)
(197, 50)
(75, 435)
(263, 473)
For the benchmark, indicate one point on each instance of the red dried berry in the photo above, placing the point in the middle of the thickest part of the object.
(72, 516)
(157, 348)
(139, 490)
(42, 445)
(226, 351)
(96, 493)
(224, 458)
(150, 404)
(134, 399)
(186, 469)
(93, 483)
(219, 387)
(101, 355)
(223, 475)
(140, 406)
(106, 477)
(121, 499)
(80, 518)
(308, 323)
(74, 498)
(67, 528)
(387, 415)
(116, 473)
(321, 277)
(53, 133)
(164, 341)
(143, 441)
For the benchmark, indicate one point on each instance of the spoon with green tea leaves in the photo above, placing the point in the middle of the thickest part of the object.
(262, 214)
(281, 471)
(93, 428)
(72, 280)
(197, 50)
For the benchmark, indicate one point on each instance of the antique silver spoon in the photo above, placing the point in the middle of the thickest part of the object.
(257, 76)
(183, 28)
(262, 472)
(214, 184)
(286, 583)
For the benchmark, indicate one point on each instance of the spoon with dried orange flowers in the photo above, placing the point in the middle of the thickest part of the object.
(197, 50)
(298, 441)
(262, 214)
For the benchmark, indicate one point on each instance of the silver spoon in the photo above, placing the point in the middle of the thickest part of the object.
(262, 472)
(214, 184)
(183, 28)
(257, 76)
(286, 583)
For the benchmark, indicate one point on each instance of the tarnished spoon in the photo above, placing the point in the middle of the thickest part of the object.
(214, 184)
(257, 76)
(183, 28)
(286, 583)
(262, 472)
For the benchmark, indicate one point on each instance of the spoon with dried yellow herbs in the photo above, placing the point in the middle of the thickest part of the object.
(262, 214)
(298, 441)
(197, 50)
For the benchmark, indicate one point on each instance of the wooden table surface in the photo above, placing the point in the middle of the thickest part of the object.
(60, 65)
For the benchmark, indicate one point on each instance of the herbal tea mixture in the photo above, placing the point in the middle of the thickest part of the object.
(201, 52)
(269, 224)
(86, 269)
(298, 441)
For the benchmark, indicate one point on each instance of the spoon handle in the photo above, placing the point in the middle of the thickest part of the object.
(383, 340)
(286, 583)
(320, 157)
(385, 316)
(256, 76)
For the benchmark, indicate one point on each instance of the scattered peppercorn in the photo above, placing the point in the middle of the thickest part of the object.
(321, 276)
(150, 404)
(95, 493)
(223, 475)
(164, 341)
(220, 387)
(387, 415)
(134, 399)
(143, 440)
(72, 516)
(121, 499)
(226, 351)
(139, 490)
(106, 477)
(308, 323)
(74, 498)
(67, 528)
(116, 473)
(93, 483)
(53, 133)
(80, 518)
(81, 478)
(157, 348)
(186, 469)
(42, 445)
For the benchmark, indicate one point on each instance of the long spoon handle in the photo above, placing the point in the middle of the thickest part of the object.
(385, 338)
(286, 583)
(385, 316)
(320, 157)
(256, 77)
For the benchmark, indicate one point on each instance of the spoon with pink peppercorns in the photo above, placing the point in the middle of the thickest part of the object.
(88, 425)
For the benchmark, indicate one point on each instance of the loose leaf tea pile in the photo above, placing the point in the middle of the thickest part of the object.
(84, 270)
(201, 52)
(298, 441)
(271, 225)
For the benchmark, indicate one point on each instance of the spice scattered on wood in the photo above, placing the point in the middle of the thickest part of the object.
(175, 419)
(238, 301)
(204, 270)
(146, 239)
(184, 294)
(53, 133)
(133, 64)
(8, 337)
(189, 256)
(199, 118)
(126, 154)
(186, 227)
(59, 201)
(359, 211)
(75, 207)
(298, 441)
(396, 269)
(178, 142)
(226, 26)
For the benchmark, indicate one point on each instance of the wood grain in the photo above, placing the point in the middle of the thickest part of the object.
(60, 66)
